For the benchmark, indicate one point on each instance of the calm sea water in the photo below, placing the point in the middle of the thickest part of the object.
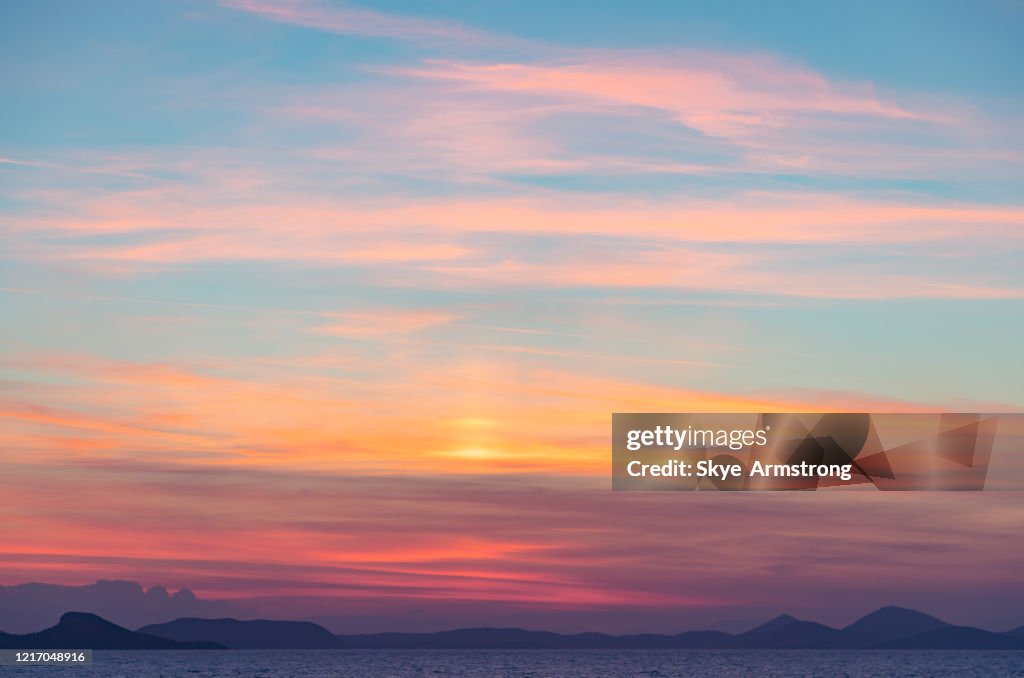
(538, 664)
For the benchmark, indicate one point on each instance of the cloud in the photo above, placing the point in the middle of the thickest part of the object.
(756, 243)
(715, 93)
(378, 545)
(348, 20)
(487, 113)
(444, 195)
(377, 323)
(465, 413)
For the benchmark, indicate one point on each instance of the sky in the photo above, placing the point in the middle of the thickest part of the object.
(330, 304)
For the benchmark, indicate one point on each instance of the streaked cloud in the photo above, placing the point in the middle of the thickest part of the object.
(350, 20)
(382, 322)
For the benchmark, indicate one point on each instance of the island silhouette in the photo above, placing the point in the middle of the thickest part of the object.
(889, 628)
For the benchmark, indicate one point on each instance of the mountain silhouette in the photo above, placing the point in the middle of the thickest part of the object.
(891, 623)
(235, 634)
(82, 630)
(887, 628)
(873, 631)
(774, 625)
(25, 608)
(786, 632)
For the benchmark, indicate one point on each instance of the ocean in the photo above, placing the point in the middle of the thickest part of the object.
(537, 664)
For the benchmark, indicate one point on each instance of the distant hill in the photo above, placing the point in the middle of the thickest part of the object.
(235, 634)
(881, 629)
(81, 630)
(958, 638)
(874, 631)
(774, 625)
(892, 623)
(25, 608)
(1016, 633)
(786, 632)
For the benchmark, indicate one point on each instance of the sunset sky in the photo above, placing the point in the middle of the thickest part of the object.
(329, 304)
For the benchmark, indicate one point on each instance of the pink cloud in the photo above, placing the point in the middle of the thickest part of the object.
(762, 103)
(355, 543)
(366, 226)
(718, 94)
(734, 246)
(345, 20)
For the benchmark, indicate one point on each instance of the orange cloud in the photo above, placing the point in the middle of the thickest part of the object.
(378, 323)
(469, 417)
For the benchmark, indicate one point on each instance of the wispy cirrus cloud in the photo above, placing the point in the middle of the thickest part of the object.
(762, 103)
(471, 414)
(350, 20)
(747, 88)
(756, 243)
(382, 322)
(718, 94)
